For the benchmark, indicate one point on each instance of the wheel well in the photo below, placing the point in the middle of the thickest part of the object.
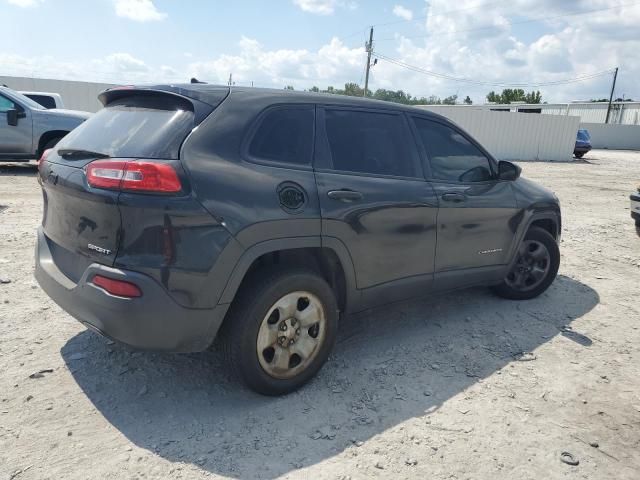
(44, 139)
(548, 225)
(321, 260)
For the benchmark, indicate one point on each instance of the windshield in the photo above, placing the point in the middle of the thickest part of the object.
(26, 101)
(134, 127)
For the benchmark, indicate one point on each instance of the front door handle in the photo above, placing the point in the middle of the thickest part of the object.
(345, 195)
(454, 197)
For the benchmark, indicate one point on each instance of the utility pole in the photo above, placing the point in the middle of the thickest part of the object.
(230, 79)
(369, 48)
(613, 87)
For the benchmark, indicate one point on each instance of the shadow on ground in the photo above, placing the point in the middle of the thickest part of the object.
(18, 168)
(390, 365)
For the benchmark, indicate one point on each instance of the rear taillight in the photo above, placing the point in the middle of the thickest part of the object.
(119, 288)
(133, 175)
(43, 157)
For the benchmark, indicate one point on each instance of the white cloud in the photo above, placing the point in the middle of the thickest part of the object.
(323, 7)
(402, 12)
(332, 64)
(138, 10)
(497, 53)
(25, 3)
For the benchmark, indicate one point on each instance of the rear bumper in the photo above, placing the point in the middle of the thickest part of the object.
(153, 321)
(582, 149)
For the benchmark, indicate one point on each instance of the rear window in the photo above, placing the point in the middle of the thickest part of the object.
(135, 127)
(44, 100)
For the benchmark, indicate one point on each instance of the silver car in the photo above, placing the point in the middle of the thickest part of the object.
(27, 128)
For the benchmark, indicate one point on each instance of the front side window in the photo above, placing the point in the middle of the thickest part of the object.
(452, 157)
(370, 142)
(285, 134)
(6, 104)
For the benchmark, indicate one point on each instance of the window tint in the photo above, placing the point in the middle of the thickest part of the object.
(452, 156)
(368, 142)
(285, 135)
(44, 100)
(6, 104)
(136, 127)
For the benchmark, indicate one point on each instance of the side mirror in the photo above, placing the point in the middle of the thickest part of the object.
(12, 117)
(508, 170)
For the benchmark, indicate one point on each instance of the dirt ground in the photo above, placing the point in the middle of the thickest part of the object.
(459, 386)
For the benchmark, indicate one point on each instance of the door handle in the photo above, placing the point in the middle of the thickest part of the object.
(345, 195)
(454, 197)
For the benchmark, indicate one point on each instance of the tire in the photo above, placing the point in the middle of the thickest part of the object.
(531, 256)
(252, 335)
(578, 155)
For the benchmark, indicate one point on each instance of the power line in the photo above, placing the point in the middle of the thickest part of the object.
(444, 76)
(517, 22)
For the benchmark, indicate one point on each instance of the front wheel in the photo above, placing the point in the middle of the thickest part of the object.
(535, 268)
(280, 330)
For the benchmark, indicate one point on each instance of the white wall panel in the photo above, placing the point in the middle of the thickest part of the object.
(75, 95)
(617, 137)
(517, 136)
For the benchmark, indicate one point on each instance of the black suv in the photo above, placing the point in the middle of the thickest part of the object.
(179, 213)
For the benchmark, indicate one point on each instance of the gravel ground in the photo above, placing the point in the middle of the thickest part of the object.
(458, 386)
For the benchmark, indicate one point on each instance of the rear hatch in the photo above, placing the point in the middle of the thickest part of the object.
(82, 221)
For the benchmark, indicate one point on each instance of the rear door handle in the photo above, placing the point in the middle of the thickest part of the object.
(345, 195)
(454, 197)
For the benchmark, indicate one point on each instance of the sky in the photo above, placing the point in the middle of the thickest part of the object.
(434, 47)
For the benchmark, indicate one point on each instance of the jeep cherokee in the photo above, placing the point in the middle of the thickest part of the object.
(179, 213)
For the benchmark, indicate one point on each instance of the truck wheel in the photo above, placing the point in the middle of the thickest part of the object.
(280, 330)
(536, 266)
(51, 143)
(578, 155)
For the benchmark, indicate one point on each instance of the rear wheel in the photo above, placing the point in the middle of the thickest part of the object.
(50, 144)
(280, 330)
(535, 268)
(579, 155)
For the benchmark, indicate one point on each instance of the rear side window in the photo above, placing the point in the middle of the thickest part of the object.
(370, 142)
(135, 127)
(452, 157)
(44, 100)
(285, 134)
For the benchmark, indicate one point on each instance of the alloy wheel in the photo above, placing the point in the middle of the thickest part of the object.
(531, 267)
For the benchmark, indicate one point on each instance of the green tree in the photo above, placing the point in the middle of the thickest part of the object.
(451, 100)
(314, 89)
(289, 87)
(468, 100)
(509, 95)
(353, 89)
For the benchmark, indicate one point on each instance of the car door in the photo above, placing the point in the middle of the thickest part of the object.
(478, 214)
(14, 139)
(375, 200)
